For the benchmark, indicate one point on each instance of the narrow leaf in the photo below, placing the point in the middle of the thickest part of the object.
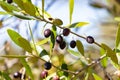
(43, 53)
(22, 16)
(14, 56)
(110, 53)
(27, 67)
(7, 7)
(104, 60)
(52, 42)
(57, 22)
(80, 47)
(14, 36)
(43, 8)
(118, 36)
(96, 77)
(78, 24)
(25, 44)
(27, 6)
(74, 53)
(5, 75)
(71, 7)
(3, 13)
(41, 42)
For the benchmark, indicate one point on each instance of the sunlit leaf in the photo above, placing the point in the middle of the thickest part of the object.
(43, 41)
(14, 56)
(117, 19)
(3, 13)
(43, 53)
(96, 77)
(71, 8)
(27, 6)
(14, 36)
(27, 67)
(5, 75)
(78, 24)
(22, 16)
(104, 60)
(118, 36)
(46, 14)
(74, 53)
(87, 76)
(110, 53)
(7, 7)
(57, 22)
(25, 44)
(80, 47)
(43, 8)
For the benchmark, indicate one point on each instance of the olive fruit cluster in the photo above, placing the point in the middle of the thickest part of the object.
(59, 38)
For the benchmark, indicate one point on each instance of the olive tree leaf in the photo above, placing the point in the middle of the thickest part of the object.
(27, 6)
(78, 24)
(22, 16)
(71, 8)
(104, 60)
(7, 7)
(14, 36)
(25, 44)
(3, 13)
(96, 77)
(57, 22)
(17, 38)
(118, 37)
(77, 54)
(27, 67)
(80, 47)
(43, 53)
(14, 56)
(110, 53)
(5, 75)
(52, 42)
(43, 41)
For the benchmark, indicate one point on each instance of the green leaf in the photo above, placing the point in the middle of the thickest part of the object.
(25, 44)
(7, 7)
(74, 53)
(21, 16)
(3, 13)
(14, 36)
(86, 76)
(71, 7)
(27, 6)
(14, 56)
(57, 22)
(54, 30)
(96, 77)
(104, 60)
(43, 53)
(27, 67)
(118, 37)
(110, 53)
(64, 67)
(52, 42)
(80, 47)
(78, 24)
(117, 19)
(41, 42)
(5, 75)
(43, 8)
